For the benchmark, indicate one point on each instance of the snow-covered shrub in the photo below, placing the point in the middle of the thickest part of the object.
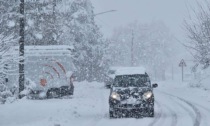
(201, 79)
(5, 94)
(29, 85)
(197, 28)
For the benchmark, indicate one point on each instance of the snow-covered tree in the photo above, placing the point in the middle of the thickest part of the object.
(8, 38)
(197, 27)
(42, 22)
(84, 34)
(198, 33)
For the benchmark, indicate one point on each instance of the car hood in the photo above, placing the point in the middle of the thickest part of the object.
(131, 95)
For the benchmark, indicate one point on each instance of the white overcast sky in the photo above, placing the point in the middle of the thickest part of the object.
(171, 12)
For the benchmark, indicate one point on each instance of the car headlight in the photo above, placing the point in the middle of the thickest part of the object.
(147, 95)
(115, 96)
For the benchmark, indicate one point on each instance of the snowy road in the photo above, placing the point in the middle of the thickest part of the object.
(174, 106)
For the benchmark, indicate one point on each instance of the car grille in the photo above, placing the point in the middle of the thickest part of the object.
(131, 106)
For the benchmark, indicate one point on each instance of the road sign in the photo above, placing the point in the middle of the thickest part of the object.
(182, 63)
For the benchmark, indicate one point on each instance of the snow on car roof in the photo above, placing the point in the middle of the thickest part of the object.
(130, 70)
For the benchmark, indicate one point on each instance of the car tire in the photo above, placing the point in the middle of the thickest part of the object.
(151, 112)
(112, 114)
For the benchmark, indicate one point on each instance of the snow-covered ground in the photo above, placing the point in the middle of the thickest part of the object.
(176, 105)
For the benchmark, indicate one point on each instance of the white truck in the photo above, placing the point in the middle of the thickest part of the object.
(47, 71)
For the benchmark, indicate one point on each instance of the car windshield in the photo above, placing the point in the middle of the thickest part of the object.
(131, 81)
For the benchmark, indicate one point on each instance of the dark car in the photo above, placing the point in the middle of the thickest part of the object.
(131, 96)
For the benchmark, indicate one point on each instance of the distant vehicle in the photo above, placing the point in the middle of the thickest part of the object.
(46, 71)
(131, 94)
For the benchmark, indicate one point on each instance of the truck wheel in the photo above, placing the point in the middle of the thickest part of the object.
(111, 115)
(52, 93)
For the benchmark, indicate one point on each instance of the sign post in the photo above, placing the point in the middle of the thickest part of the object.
(182, 64)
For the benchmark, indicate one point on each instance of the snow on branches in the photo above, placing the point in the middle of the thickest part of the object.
(198, 34)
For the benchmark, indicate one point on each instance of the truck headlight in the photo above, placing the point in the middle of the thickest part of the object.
(42, 94)
(147, 95)
(115, 96)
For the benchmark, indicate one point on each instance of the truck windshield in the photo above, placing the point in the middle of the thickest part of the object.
(132, 81)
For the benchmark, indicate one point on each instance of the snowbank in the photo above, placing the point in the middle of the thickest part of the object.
(201, 79)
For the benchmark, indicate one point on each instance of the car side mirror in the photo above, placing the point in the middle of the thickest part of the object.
(111, 85)
(154, 85)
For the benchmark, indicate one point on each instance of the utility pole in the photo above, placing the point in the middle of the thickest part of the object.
(132, 49)
(172, 72)
(21, 49)
(54, 21)
(104, 12)
(182, 73)
(54, 5)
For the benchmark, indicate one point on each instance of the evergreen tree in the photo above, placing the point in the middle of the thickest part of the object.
(87, 40)
(41, 24)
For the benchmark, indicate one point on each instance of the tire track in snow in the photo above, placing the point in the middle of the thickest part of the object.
(98, 104)
(103, 96)
(197, 121)
(174, 116)
(197, 112)
(204, 108)
(190, 113)
(158, 115)
(205, 115)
